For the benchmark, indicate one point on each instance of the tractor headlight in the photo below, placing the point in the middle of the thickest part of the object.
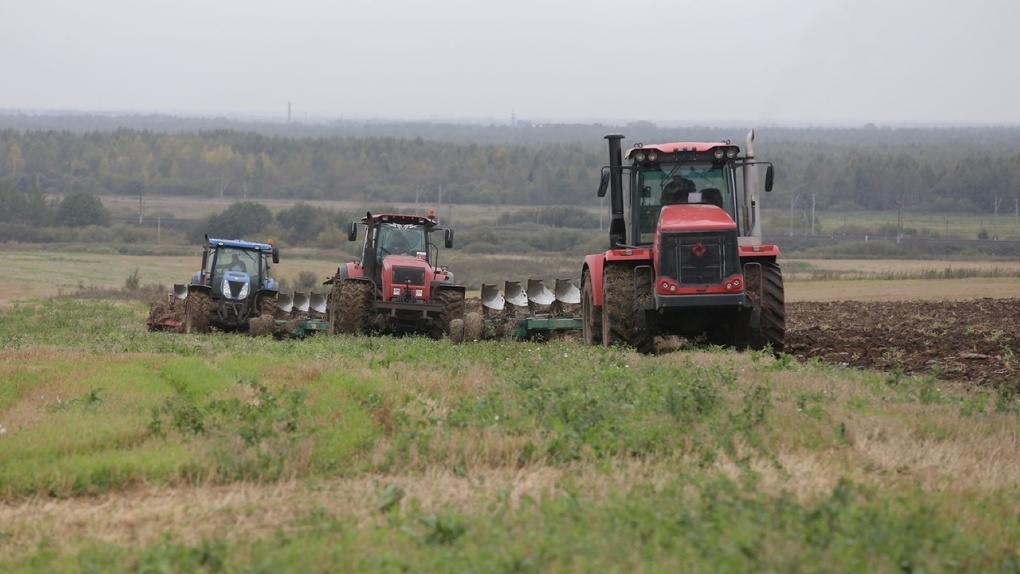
(719, 153)
(731, 153)
(229, 294)
(639, 156)
(652, 156)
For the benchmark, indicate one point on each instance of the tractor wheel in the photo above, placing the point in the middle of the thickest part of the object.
(765, 289)
(357, 301)
(453, 308)
(196, 312)
(591, 316)
(268, 306)
(333, 307)
(625, 294)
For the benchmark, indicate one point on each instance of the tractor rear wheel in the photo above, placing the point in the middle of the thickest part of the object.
(357, 301)
(625, 294)
(765, 289)
(591, 316)
(197, 308)
(452, 301)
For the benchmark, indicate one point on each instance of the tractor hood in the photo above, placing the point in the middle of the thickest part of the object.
(694, 217)
(406, 278)
(235, 285)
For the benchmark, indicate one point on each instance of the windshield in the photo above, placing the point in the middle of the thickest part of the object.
(676, 183)
(234, 259)
(397, 239)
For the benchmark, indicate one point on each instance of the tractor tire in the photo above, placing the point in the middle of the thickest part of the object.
(591, 315)
(197, 308)
(357, 303)
(333, 307)
(624, 298)
(268, 306)
(766, 291)
(453, 308)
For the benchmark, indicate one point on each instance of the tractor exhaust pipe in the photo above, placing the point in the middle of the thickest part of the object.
(751, 187)
(617, 227)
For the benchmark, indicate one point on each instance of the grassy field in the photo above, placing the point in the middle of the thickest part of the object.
(122, 450)
(48, 272)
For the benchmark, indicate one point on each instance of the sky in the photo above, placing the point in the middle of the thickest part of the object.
(774, 62)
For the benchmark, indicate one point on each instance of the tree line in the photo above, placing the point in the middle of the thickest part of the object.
(914, 169)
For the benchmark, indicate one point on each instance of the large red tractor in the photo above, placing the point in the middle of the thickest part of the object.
(397, 286)
(686, 255)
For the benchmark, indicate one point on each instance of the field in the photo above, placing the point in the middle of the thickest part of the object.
(883, 442)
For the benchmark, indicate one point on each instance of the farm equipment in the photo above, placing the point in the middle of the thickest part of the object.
(231, 292)
(686, 255)
(529, 311)
(397, 286)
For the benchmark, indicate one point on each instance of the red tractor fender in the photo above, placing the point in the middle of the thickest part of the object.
(595, 264)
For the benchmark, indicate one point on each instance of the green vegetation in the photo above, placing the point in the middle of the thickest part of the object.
(382, 454)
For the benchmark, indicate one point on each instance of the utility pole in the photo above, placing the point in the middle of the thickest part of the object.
(812, 213)
(995, 222)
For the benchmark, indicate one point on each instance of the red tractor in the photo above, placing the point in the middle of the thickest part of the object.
(686, 255)
(397, 286)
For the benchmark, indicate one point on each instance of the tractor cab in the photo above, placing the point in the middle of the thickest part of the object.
(234, 269)
(398, 249)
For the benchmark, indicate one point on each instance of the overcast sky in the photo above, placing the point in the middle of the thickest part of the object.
(845, 62)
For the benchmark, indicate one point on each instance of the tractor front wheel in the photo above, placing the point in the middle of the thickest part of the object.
(591, 316)
(452, 301)
(354, 311)
(764, 285)
(197, 308)
(625, 295)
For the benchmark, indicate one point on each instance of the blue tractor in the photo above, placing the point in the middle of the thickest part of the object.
(233, 291)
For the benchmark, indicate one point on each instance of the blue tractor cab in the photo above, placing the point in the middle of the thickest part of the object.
(233, 286)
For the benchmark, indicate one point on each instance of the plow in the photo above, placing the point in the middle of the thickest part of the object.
(528, 311)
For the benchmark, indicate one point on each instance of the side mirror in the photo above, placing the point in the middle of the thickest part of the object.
(276, 254)
(448, 238)
(604, 184)
(769, 178)
(352, 231)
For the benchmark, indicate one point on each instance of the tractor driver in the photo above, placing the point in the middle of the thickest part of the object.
(676, 190)
(236, 264)
(397, 244)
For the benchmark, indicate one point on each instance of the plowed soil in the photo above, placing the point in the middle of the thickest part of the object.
(971, 341)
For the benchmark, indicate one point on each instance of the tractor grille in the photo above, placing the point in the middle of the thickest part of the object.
(412, 275)
(235, 289)
(698, 258)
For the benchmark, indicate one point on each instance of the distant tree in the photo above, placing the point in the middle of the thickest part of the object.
(239, 221)
(80, 210)
(304, 222)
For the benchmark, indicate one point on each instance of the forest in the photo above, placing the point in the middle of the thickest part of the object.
(47, 159)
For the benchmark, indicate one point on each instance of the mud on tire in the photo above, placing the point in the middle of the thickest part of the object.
(591, 316)
(625, 294)
(354, 309)
(197, 308)
(765, 289)
(452, 301)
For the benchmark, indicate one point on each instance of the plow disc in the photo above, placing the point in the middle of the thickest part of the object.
(299, 315)
(528, 311)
